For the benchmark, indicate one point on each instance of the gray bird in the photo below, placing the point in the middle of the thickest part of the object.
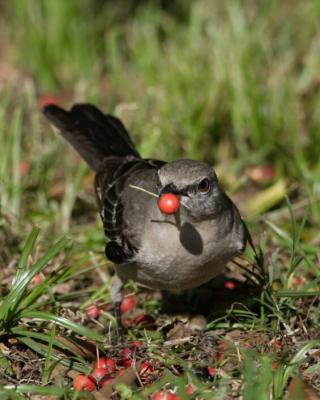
(168, 252)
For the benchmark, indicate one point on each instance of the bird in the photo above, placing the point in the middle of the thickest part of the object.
(172, 251)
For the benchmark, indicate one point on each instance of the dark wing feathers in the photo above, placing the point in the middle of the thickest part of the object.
(93, 134)
(110, 182)
(105, 144)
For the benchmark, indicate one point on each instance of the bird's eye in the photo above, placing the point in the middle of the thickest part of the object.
(204, 186)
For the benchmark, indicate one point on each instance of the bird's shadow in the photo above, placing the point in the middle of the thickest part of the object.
(211, 299)
(189, 236)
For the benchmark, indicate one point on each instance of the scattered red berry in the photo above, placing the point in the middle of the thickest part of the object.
(107, 363)
(162, 395)
(229, 285)
(189, 389)
(142, 320)
(298, 281)
(211, 371)
(146, 368)
(126, 357)
(278, 344)
(98, 374)
(128, 303)
(83, 382)
(219, 356)
(93, 311)
(136, 343)
(223, 345)
(47, 99)
(261, 174)
(24, 167)
(169, 203)
(37, 279)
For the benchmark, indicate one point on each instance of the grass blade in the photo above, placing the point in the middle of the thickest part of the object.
(63, 322)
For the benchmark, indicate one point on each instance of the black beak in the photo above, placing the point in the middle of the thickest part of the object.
(171, 188)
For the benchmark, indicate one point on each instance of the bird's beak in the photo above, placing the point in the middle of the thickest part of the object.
(170, 188)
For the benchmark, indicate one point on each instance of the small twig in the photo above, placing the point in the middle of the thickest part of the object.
(143, 190)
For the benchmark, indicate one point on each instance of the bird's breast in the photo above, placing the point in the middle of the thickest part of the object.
(177, 254)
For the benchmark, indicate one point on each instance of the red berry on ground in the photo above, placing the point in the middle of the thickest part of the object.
(126, 359)
(162, 395)
(128, 303)
(107, 363)
(93, 311)
(46, 100)
(83, 382)
(169, 203)
(37, 279)
(98, 374)
(136, 343)
(159, 395)
(211, 371)
(24, 167)
(261, 174)
(127, 362)
(146, 368)
(189, 389)
(229, 285)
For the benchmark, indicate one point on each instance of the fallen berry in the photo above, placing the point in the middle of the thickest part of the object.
(136, 343)
(223, 345)
(261, 174)
(83, 382)
(146, 368)
(211, 371)
(168, 203)
(189, 389)
(93, 311)
(37, 279)
(162, 395)
(298, 281)
(142, 320)
(24, 167)
(98, 374)
(229, 285)
(107, 363)
(126, 357)
(128, 303)
(46, 100)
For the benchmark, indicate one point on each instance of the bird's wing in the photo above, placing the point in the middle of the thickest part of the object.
(112, 181)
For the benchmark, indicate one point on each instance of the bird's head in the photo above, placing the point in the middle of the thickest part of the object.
(196, 184)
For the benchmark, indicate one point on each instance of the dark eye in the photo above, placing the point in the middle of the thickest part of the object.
(204, 186)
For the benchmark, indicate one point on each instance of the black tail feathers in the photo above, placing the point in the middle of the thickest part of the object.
(92, 133)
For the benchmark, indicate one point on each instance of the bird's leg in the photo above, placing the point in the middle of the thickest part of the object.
(116, 294)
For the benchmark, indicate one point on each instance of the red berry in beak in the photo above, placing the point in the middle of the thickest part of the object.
(169, 203)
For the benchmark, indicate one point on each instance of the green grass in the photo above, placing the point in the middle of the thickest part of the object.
(232, 83)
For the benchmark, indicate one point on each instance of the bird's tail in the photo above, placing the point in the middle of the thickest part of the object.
(92, 133)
